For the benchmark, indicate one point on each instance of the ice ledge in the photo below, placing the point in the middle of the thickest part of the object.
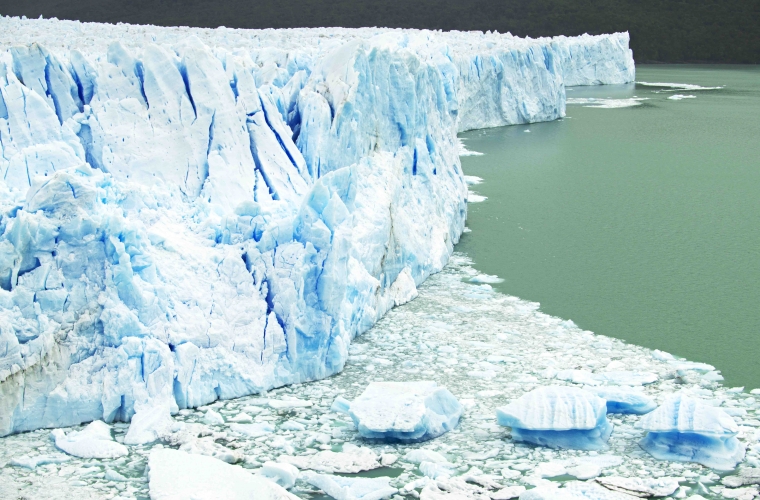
(189, 214)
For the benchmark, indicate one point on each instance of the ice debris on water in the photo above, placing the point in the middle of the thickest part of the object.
(687, 429)
(351, 459)
(94, 441)
(558, 416)
(405, 411)
(175, 475)
(660, 487)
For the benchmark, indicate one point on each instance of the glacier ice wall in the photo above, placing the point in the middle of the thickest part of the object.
(191, 214)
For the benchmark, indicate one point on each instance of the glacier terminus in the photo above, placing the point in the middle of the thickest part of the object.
(189, 215)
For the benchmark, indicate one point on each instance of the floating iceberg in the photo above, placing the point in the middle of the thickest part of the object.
(558, 417)
(405, 411)
(94, 441)
(687, 429)
(174, 475)
(625, 400)
(283, 474)
(189, 215)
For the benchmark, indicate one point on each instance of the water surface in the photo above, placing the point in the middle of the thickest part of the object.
(642, 222)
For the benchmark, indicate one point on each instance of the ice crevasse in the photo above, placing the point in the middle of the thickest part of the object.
(192, 214)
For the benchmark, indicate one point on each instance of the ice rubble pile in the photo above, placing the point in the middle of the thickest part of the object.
(558, 417)
(405, 411)
(688, 429)
(189, 214)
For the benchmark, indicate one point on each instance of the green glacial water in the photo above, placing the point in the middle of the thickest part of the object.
(641, 223)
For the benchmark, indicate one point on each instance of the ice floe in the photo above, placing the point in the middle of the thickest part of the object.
(407, 411)
(94, 441)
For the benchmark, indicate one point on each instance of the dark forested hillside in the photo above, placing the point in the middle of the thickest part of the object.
(661, 30)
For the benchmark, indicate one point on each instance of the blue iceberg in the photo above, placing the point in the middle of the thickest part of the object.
(687, 429)
(558, 417)
(405, 411)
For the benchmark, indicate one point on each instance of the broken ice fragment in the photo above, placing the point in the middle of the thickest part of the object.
(175, 475)
(660, 487)
(406, 411)
(687, 429)
(252, 430)
(351, 460)
(283, 474)
(558, 417)
(352, 488)
(149, 424)
(32, 463)
(625, 400)
(94, 441)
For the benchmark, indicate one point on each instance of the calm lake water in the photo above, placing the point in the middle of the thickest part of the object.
(642, 222)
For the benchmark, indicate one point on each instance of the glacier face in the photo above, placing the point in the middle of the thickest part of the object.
(191, 214)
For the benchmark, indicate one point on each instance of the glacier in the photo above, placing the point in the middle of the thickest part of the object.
(189, 215)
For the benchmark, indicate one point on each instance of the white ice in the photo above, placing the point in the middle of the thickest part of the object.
(351, 488)
(174, 475)
(407, 411)
(94, 441)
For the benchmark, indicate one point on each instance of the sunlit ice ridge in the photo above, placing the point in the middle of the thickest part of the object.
(189, 214)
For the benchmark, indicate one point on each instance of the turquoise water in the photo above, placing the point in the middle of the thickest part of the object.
(641, 223)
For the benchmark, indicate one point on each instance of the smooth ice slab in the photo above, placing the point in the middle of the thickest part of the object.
(351, 460)
(625, 400)
(175, 475)
(687, 429)
(406, 411)
(94, 441)
(558, 417)
(351, 488)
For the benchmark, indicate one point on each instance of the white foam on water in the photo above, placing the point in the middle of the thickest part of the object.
(475, 198)
(679, 97)
(463, 151)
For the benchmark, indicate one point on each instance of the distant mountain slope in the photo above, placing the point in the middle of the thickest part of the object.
(661, 30)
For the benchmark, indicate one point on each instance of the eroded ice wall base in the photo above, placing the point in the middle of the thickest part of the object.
(190, 214)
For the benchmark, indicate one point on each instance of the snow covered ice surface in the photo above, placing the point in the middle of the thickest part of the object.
(189, 215)
(452, 333)
(405, 411)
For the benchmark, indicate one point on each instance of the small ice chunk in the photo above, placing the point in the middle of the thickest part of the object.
(558, 417)
(253, 430)
(351, 488)
(631, 378)
(292, 425)
(584, 471)
(387, 459)
(112, 475)
(625, 400)
(423, 455)
(213, 418)
(408, 411)
(550, 469)
(94, 441)
(508, 492)
(657, 487)
(149, 424)
(436, 471)
(175, 475)
(475, 198)
(241, 418)
(349, 461)
(283, 474)
(340, 405)
(32, 462)
(680, 97)
(486, 278)
(687, 429)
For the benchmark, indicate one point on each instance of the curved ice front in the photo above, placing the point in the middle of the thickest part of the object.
(190, 214)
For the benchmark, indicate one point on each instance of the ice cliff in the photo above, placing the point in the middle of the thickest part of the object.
(190, 214)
